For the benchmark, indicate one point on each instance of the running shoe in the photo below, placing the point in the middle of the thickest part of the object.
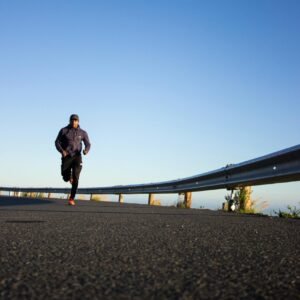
(71, 202)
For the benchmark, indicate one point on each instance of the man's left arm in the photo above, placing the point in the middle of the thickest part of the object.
(87, 144)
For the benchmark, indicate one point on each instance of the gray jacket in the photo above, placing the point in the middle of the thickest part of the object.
(70, 139)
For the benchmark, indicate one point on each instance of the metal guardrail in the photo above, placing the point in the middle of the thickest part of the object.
(277, 167)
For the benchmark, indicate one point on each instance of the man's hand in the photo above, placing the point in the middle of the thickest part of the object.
(64, 153)
(85, 152)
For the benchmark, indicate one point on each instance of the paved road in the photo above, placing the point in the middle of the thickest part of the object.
(49, 250)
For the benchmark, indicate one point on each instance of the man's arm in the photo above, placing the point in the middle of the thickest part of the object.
(58, 144)
(87, 144)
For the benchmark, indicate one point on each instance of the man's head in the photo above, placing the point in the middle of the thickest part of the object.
(74, 121)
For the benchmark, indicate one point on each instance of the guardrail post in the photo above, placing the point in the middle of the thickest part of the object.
(151, 199)
(49, 195)
(187, 199)
(121, 198)
(91, 197)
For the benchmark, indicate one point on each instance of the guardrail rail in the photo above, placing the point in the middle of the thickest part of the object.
(277, 167)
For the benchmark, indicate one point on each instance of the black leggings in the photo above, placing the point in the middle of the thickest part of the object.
(71, 168)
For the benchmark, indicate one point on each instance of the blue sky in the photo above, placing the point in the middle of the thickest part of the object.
(165, 89)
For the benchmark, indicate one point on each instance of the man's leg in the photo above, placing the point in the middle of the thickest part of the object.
(66, 166)
(76, 169)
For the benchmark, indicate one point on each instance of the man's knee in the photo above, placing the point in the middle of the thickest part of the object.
(66, 174)
(66, 178)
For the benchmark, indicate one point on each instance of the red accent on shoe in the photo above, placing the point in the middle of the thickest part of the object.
(71, 202)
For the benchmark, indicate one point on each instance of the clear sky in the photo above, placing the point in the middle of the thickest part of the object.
(165, 89)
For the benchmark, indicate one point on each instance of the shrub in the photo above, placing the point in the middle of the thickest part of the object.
(243, 201)
(181, 204)
(293, 212)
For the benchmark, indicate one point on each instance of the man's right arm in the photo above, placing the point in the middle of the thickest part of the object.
(58, 142)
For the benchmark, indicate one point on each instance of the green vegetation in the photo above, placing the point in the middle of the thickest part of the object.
(181, 204)
(242, 202)
(293, 212)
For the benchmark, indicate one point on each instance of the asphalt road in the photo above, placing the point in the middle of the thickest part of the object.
(105, 250)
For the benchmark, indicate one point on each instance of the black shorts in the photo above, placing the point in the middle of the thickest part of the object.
(71, 167)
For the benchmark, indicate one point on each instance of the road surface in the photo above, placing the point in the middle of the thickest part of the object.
(106, 250)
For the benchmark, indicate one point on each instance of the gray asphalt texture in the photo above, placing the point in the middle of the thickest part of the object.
(105, 250)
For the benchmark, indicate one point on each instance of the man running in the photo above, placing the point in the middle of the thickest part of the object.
(69, 144)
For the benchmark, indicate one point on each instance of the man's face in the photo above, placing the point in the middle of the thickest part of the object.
(74, 123)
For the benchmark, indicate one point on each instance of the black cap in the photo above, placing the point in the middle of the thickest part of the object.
(74, 117)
